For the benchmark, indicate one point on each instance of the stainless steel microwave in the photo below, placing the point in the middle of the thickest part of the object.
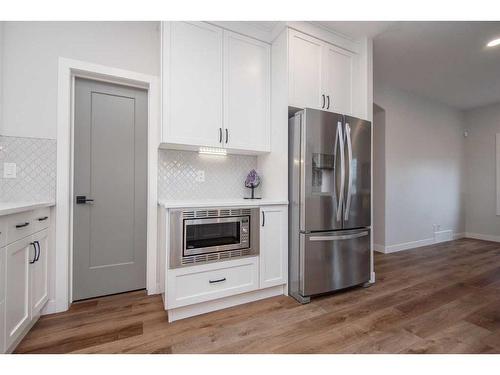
(213, 234)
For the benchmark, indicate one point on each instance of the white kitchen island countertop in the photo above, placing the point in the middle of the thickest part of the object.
(220, 203)
(7, 208)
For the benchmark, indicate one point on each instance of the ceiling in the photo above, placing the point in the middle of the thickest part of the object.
(356, 29)
(445, 61)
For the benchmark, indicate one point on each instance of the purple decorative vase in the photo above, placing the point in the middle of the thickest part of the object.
(251, 182)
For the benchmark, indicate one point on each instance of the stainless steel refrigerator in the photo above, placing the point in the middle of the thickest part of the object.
(329, 195)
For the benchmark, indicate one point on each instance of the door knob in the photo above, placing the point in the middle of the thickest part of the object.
(82, 199)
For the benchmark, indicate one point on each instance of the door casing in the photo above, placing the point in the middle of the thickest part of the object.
(69, 69)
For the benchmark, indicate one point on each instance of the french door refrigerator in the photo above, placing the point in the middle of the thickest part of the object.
(329, 195)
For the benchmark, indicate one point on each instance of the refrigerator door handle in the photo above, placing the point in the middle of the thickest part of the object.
(349, 158)
(339, 140)
(340, 237)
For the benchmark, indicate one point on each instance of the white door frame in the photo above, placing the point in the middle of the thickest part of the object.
(68, 70)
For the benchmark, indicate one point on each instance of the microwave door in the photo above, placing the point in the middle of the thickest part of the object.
(321, 149)
(214, 235)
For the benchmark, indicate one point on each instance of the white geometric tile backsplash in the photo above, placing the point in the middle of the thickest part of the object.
(36, 163)
(35, 160)
(224, 175)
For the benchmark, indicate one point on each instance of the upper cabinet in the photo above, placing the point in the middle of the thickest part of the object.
(247, 90)
(337, 79)
(320, 74)
(216, 88)
(192, 84)
(305, 88)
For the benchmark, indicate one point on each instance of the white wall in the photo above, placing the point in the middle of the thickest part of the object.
(378, 176)
(482, 125)
(31, 52)
(424, 161)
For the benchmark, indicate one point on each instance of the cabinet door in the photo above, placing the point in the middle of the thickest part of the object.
(17, 287)
(192, 84)
(273, 246)
(337, 79)
(2, 299)
(305, 71)
(247, 90)
(38, 273)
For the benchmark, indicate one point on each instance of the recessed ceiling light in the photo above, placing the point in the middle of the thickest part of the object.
(494, 43)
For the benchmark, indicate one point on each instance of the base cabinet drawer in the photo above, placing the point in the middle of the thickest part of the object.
(186, 286)
(41, 218)
(19, 226)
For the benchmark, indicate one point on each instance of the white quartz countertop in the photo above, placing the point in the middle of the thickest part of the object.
(7, 208)
(220, 203)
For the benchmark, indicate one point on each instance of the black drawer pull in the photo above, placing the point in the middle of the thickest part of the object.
(36, 251)
(22, 225)
(39, 251)
(217, 281)
(43, 218)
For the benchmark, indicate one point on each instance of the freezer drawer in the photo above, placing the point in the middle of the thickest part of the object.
(334, 260)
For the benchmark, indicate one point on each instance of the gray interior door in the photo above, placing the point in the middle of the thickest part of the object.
(321, 149)
(357, 212)
(110, 168)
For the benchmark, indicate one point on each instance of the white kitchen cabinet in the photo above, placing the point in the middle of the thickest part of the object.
(247, 91)
(320, 74)
(24, 273)
(211, 281)
(2, 299)
(192, 84)
(38, 273)
(337, 79)
(17, 288)
(273, 246)
(216, 89)
(305, 59)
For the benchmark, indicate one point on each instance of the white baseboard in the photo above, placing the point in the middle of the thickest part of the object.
(50, 307)
(442, 236)
(408, 245)
(222, 303)
(485, 237)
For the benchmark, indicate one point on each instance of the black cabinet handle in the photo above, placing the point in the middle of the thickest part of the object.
(328, 105)
(323, 98)
(220, 135)
(263, 218)
(43, 218)
(217, 281)
(34, 258)
(22, 225)
(227, 135)
(39, 251)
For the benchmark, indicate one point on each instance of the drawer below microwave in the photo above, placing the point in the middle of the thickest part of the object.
(190, 285)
